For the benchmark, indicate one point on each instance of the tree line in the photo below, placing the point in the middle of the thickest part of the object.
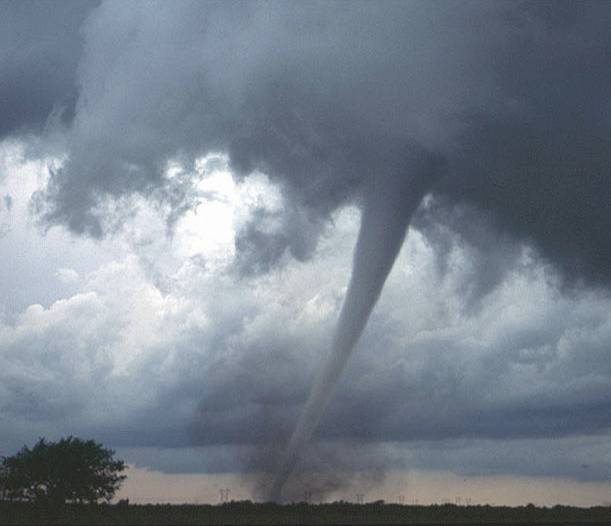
(70, 470)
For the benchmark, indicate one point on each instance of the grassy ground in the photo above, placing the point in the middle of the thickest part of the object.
(340, 513)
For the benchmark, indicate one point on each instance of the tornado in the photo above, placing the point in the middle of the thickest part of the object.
(389, 203)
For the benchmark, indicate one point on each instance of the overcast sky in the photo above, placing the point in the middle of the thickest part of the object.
(181, 187)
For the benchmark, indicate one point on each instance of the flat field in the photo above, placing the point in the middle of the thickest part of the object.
(338, 513)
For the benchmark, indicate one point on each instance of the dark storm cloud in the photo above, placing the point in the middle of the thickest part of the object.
(318, 96)
(40, 48)
(491, 253)
(267, 236)
(543, 172)
(323, 97)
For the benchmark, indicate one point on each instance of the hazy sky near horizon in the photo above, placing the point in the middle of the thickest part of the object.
(180, 192)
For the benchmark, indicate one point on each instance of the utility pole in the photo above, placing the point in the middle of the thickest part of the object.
(225, 495)
(360, 498)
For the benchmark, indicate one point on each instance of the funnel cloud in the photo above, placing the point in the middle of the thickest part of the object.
(388, 207)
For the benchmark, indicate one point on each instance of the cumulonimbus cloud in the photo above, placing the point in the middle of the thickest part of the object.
(324, 97)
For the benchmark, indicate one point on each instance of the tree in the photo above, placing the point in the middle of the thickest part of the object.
(70, 470)
(3, 476)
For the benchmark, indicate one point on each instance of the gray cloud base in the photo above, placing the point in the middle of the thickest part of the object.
(323, 98)
(41, 47)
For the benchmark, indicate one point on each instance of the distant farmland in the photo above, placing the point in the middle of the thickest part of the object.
(338, 513)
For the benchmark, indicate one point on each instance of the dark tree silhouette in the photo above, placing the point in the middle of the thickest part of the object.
(70, 470)
(3, 476)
